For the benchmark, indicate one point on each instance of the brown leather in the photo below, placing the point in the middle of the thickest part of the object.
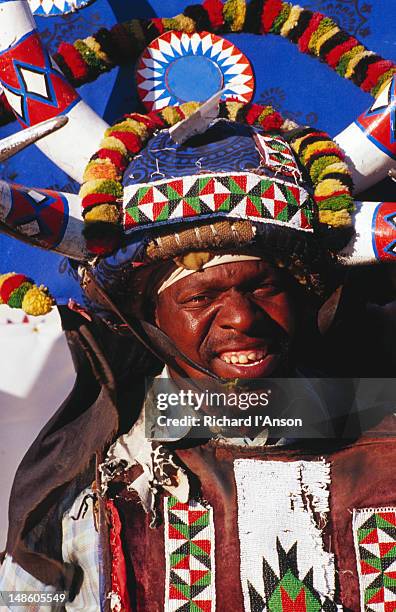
(362, 475)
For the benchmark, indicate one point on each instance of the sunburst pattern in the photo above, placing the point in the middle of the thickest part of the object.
(49, 8)
(178, 67)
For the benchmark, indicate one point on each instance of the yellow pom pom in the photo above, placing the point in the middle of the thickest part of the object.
(96, 48)
(189, 108)
(170, 115)
(232, 109)
(296, 144)
(130, 125)
(234, 12)
(100, 169)
(114, 145)
(181, 23)
(355, 61)
(317, 44)
(108, 213)
(3, 277)
(337, 166)
(292, 20)
(329, 187)
(315, 147)
(268, 110)
(101, 185)
(138, 128)
(383, 82)
(338, 218)
(37, 301)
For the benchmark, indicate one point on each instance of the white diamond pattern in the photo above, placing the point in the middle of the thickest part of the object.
(36, 82)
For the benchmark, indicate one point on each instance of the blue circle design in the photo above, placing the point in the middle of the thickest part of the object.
(179, 68)
(202, 72)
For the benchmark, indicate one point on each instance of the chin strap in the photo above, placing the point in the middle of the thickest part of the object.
(153, 338)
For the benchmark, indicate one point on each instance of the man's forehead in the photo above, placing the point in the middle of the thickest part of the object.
(216, 276)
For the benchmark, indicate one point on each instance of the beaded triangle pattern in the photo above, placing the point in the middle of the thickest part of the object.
(284, 565)
(277, 156)
(189, 550)
(240, 195)
(288, 592)
(375, 543)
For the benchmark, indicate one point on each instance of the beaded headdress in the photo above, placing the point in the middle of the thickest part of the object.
(301, 180)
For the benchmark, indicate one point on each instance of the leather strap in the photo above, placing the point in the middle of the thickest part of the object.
(153, 338)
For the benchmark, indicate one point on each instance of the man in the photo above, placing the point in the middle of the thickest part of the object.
(266, 519)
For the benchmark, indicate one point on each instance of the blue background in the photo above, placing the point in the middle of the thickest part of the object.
(299, 86)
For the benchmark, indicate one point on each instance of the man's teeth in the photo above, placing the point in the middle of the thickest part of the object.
(242, 357)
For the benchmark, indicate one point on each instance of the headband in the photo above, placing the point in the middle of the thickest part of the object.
(217, 260)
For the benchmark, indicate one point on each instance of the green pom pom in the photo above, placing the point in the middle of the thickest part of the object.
(281, 19)
(340, 202)
(16, 298)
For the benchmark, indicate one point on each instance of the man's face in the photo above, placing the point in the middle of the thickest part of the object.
(235, 319)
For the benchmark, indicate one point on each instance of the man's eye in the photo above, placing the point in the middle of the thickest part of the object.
(197, 299)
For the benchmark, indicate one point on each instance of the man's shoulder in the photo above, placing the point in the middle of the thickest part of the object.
(384, 429)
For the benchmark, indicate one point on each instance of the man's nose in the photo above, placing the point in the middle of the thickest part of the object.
(238, 312)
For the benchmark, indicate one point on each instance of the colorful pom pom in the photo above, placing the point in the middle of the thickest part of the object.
(214, 8)
(37, 301)
(18, 291)
(108, 213)
(234, 12)
(3, 278)
(329, 174)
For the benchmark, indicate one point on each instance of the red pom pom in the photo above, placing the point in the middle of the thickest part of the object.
(156, 119)
(272, 122)
(374, 72)
(180, 112)
(214, 8)
(157, 22)
(74, 61)
(117, 158)
(312, 27)
(334, 56)
(130, 140)
(10, 284)
(254, 113)
(271, 10)
(97, 198)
